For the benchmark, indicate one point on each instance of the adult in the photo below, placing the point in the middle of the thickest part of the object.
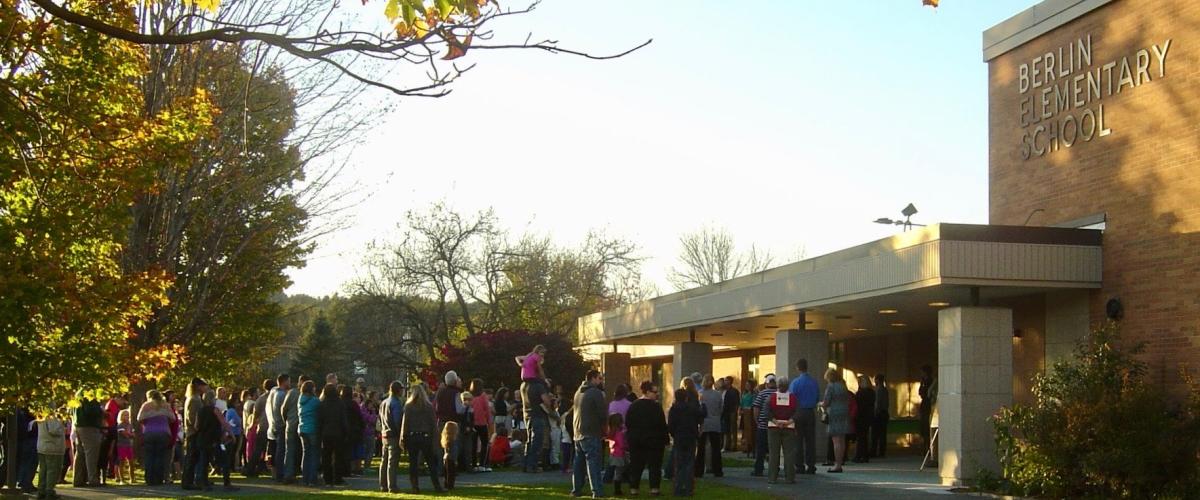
(257, 446)
(448, 407)
(837, 405)
(27, 454)
(391, 416)
(883, 405)
(354, 430)
(291, 419)
(808, 394)
(646, 432)
(155, 417)
(332, 415)
(310, 440)
(760, 421)
(331, 378)
(781, 433)
(864, 400)
(366, 444)
(620, 405)
(746, 414)
(233, 418)
(500, 407)
(194, 455)
(108, 445)
(710, 431)
(481, 415)
(206, 436)
(729, 414)
(683, 423)
(418, 426)
(535, 393)
(246, 412)
(588, 431)
(928, 393)
(276, 425)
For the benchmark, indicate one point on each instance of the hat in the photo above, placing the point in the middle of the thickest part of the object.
(769, 378)
(198, 381)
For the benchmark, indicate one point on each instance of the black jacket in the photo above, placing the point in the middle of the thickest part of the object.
(331, 419)
(208, 428)
(645, 424)
(684, 421)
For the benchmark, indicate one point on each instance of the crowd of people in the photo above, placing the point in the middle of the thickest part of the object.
(318, 435)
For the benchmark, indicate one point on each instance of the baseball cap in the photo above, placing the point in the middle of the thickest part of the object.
(769, 378)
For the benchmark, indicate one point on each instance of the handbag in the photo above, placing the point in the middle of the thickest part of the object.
(823, 414)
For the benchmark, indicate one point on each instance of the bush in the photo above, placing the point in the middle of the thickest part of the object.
(1097, 428)
(489, 356)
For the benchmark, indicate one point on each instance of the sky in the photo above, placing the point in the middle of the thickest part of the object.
(792, 124)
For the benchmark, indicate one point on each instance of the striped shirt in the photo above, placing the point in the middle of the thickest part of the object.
(762, 401)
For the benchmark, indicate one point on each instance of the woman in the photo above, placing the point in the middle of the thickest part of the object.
(370, 414)
(500, 407)
(781, 433)
(332, 415)
(156, 418)
(864, 402)
(481, 415)
(646, 432)
(309, 439)
(687, 384)
(683, 422)
(619, 404)
(710, 432)
(746, 413)
(837, 406)
(354, 431)
(417, 430)
(208, 437)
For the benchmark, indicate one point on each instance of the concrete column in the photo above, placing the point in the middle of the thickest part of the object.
(615, 366)
(974, 381)
(690, 357)
(813, 346)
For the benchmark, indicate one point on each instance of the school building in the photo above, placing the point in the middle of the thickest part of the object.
(1094, 213)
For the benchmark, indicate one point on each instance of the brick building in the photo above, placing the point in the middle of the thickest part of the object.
(1094, 213)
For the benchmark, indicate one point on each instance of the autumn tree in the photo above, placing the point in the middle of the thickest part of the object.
(709, 256)
(75, 153)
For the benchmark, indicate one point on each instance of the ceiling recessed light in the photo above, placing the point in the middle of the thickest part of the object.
(888, 311)
(771, 326)
(768, 338)
(939, 304)
(717, 334)
(843, 316)
(743, 331)
(899, 324)
(859, 329)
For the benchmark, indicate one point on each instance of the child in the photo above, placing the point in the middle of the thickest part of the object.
(567, 441)
(50, 449)
(516, 443)
(500, 450)
(124, 447)
(616, 451)
(449, 435)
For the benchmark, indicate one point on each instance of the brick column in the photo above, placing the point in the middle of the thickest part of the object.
(615, 366)
(974, 381)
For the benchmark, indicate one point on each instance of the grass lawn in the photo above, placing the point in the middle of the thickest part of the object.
(704, 489)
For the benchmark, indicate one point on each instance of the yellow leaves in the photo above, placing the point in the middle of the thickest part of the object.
(420, 27)
(931, 3)
(392, 10)
(209, 5)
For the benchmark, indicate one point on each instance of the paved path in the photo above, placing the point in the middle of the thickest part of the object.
(891, 479)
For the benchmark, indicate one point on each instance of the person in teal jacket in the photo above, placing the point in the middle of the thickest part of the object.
(309, 426)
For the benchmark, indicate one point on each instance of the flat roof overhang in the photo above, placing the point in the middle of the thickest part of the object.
(844, 291)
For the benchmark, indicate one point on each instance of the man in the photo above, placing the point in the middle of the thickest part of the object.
(276, 425)
(589, 425)
(331, 378)
(928, 392)
(291, 418)
(448, 407)
(193, 467)
(807, 393)
(730, 401)
(883, 405)
(391, 417)
(89, 431)
(258, 451)
(537, 399)
(761, 418)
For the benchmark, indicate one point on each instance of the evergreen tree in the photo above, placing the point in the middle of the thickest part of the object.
(319, 353)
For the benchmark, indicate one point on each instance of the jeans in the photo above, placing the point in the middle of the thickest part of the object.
(479, 457)
(49, 471)
(685, 468)
(806, 439)
(782, 442)
(566, 450)
(420, 448)
(87, 456)
(587, 466)
(332, 457)
(713, 441)
(194, 460)
(311, 460)
(645, 456)
(760, 450)
(156, 446)
(277, 454)
(292, 456)
(27, 463)
(389, 465)
(538, 427)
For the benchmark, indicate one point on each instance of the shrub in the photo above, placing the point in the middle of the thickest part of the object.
(1097, 428)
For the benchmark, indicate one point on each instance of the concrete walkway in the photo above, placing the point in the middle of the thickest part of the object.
(891, 479)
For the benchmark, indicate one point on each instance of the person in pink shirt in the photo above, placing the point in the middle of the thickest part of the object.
(482, 418)
(616, 450)
(531, 364)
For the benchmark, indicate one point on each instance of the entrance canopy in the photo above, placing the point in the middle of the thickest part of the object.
(892, 285)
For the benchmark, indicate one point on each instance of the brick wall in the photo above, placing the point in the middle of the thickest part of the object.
(1145, 175)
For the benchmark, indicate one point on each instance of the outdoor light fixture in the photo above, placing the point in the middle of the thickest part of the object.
(888, 311)
(939, 304)
(899, 324)
(743, 331)
(859, 329)
(907, 212)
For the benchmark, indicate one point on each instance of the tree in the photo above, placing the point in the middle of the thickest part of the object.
(75, 152)
(709, 256)
(320, 352)
(419, 32)
(489, 356)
